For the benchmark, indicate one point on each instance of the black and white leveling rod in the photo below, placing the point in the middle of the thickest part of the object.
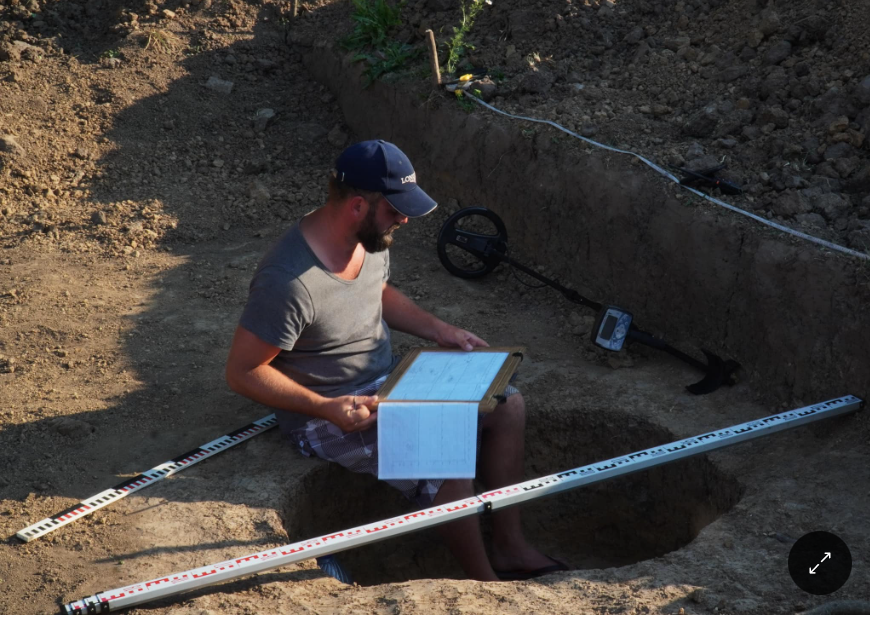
(131, 595)
(164, 470)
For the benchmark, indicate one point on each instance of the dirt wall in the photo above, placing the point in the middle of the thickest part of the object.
(691, 272)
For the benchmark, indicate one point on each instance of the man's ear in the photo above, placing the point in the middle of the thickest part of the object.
(358, 206)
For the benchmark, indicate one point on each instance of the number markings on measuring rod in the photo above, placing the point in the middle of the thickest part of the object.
(164, 470)
(139, 593)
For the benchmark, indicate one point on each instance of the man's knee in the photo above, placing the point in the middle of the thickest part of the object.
(511, 413)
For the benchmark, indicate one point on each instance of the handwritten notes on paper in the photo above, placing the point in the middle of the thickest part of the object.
(427, 426)
(426, 440)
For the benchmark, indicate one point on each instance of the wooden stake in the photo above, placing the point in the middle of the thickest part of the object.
(433, 59)
(295, 8)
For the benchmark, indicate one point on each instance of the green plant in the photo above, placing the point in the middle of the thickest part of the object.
(457, 45)
(465, 103)
(110, 53)
(373, 21)
(393, 56)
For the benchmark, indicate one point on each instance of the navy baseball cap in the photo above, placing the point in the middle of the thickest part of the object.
(380, 166)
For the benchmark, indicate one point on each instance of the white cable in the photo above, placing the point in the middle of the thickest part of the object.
(670, 176)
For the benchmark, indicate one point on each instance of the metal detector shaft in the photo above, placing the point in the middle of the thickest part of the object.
(570, 294)
(649, 340)
(634, 333)
(138, 593)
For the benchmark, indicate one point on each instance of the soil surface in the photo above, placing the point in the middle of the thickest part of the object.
(137, 195)
(776, 93)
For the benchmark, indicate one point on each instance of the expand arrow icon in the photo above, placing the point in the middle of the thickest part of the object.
(813, 569)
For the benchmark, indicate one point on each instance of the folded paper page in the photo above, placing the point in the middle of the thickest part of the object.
(426, 440)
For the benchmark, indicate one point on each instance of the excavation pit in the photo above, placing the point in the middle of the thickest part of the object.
(612, 523)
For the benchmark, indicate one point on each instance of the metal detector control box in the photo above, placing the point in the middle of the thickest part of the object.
(611, 328)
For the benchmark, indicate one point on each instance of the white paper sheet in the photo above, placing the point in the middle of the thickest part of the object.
(426, 440)
(448, 376)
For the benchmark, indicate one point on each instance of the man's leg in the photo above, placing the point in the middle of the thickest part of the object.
(501, 464)
(463, 537)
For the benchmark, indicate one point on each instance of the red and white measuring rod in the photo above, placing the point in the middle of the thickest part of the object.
(92, 504)
(131, 595)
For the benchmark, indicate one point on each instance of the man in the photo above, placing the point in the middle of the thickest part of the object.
(314, 343)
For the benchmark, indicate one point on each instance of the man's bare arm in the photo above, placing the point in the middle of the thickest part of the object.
(402, 314)
(249, 373)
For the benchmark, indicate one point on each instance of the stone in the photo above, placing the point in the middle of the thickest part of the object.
(778, 52)
(846, 166)
(676, 43)
(9, 143)
(703, 123)
(259, 192)
(791, 203)
(860, 238)
(834, 103)
(770, 22)
(167, 14)
(485, 88)
(19, 50)
(266, 64)
(862, 91)
(754, 39)
(774, 83)
(812, 219)
(634, 36)
(694, 151)
(702, 163)
(219, 85)
(774, 115)
(263, 118)
(839, 125)
(337, 137)
(838, 150)
(830, 205)
(732, 73)
(71, 427)
(99, 218)
(310, 131)
(538, 81)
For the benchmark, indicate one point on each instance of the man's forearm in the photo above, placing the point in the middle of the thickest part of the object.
(402, 314)
(269, 386)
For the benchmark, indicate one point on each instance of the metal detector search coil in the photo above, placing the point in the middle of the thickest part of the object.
(611, 328)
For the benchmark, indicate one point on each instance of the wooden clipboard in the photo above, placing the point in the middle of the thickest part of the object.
(493, 395)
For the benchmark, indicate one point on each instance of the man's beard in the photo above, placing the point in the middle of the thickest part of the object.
(371, 239)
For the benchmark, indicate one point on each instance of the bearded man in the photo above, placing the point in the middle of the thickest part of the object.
(313, 343)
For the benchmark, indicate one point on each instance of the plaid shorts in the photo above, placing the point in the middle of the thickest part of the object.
(358, 451)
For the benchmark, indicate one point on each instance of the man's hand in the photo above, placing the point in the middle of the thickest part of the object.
(352, 413)
(451, 336)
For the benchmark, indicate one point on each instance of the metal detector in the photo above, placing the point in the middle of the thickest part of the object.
(613, 324)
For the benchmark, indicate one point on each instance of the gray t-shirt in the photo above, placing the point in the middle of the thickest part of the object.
(331, 332)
